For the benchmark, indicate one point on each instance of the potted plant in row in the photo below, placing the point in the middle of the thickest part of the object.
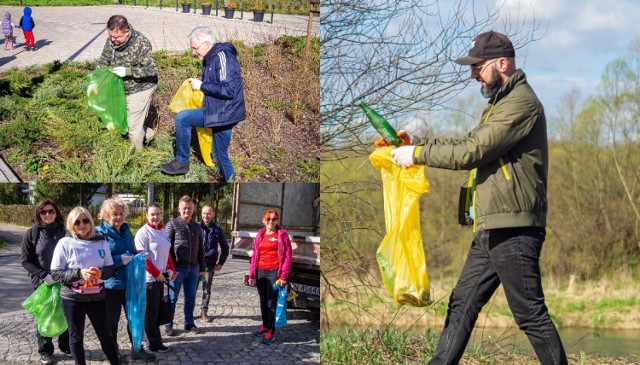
(229, 9)
(258, 11)
(186, 7)
(206, 7)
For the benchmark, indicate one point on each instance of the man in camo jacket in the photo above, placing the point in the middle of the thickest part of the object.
(128, 53)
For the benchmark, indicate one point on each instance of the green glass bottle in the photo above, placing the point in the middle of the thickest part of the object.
(381, 125)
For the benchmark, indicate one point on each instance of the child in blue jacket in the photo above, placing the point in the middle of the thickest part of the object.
(27, 24)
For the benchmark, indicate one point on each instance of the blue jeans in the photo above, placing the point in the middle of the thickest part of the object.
(188, 277)
(189, 118)
(509, 256)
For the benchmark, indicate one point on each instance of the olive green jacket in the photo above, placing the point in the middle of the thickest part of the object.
(136, 55)
(509, 150)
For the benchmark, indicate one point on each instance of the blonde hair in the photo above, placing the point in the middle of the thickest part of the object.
(73, 216)
(186, 199)
(111, 204)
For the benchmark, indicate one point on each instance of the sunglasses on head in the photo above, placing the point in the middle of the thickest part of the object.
(83, 221)
(47, 211)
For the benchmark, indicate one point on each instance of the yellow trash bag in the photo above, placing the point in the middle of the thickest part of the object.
(401, 255)
(187, 98)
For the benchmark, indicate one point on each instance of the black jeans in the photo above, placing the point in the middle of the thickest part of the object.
(268, 297)
(155, 292)
(509, 256)
(206, 289)
(75, 313)
(45, 344)
(116, 300)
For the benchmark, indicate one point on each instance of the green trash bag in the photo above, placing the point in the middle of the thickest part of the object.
(106, 99)
(46, 305)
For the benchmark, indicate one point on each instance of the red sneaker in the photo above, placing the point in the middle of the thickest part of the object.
(260, 332)
(268, 338)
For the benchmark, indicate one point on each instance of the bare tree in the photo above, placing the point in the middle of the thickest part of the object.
(620, 102)
(397, 57)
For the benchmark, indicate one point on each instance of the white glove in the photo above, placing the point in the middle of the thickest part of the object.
(403, 156)
(119, 71)
(195, 84)
(126, 258)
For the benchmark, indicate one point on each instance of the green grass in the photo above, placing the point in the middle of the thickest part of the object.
(390, 346)
(374, 347)
(4, 244)
(45, 118)
(254, 170)
(311, 168)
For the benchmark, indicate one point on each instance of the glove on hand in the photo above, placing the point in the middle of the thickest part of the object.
(403, 156)
(119, 71)
(126, 258)
(195, 84)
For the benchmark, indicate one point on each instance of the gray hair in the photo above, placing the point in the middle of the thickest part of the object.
(202, 34)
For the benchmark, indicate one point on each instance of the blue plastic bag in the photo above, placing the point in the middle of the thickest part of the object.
(136, 295)
(281, 308)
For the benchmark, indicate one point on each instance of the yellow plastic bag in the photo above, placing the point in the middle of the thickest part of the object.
(401, 255)
(187, 98)
(205, 140)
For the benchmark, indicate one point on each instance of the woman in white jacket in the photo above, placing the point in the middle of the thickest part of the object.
(153, 240)
(80, 263)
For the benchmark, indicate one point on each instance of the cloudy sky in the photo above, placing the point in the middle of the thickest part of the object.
(581, 38)
(578, 39)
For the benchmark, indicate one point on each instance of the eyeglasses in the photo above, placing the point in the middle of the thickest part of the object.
(479, 69)
(48, 212)
(271, 219)
(196, 48)
(83, 221)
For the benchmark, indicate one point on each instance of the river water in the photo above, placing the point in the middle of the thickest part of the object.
(610, 342)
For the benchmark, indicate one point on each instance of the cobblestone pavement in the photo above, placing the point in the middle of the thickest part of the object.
(78, 33)
(227, 340)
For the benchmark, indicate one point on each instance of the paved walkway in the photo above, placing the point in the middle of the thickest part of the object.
(227, 340)
(78, 33)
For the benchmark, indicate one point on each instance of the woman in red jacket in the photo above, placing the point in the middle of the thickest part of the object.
(270, 262)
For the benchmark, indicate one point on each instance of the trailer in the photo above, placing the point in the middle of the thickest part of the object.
(298, 205)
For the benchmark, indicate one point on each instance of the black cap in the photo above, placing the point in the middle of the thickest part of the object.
(487, 46)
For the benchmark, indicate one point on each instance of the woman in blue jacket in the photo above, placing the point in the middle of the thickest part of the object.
(114, 212)
(223, 103)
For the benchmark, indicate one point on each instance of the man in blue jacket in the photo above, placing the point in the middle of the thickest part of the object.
(223, 103)
(216, 251)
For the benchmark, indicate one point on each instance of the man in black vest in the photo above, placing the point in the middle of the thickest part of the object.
(187, 253)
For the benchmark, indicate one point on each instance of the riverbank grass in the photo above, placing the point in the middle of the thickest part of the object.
(390, 346)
